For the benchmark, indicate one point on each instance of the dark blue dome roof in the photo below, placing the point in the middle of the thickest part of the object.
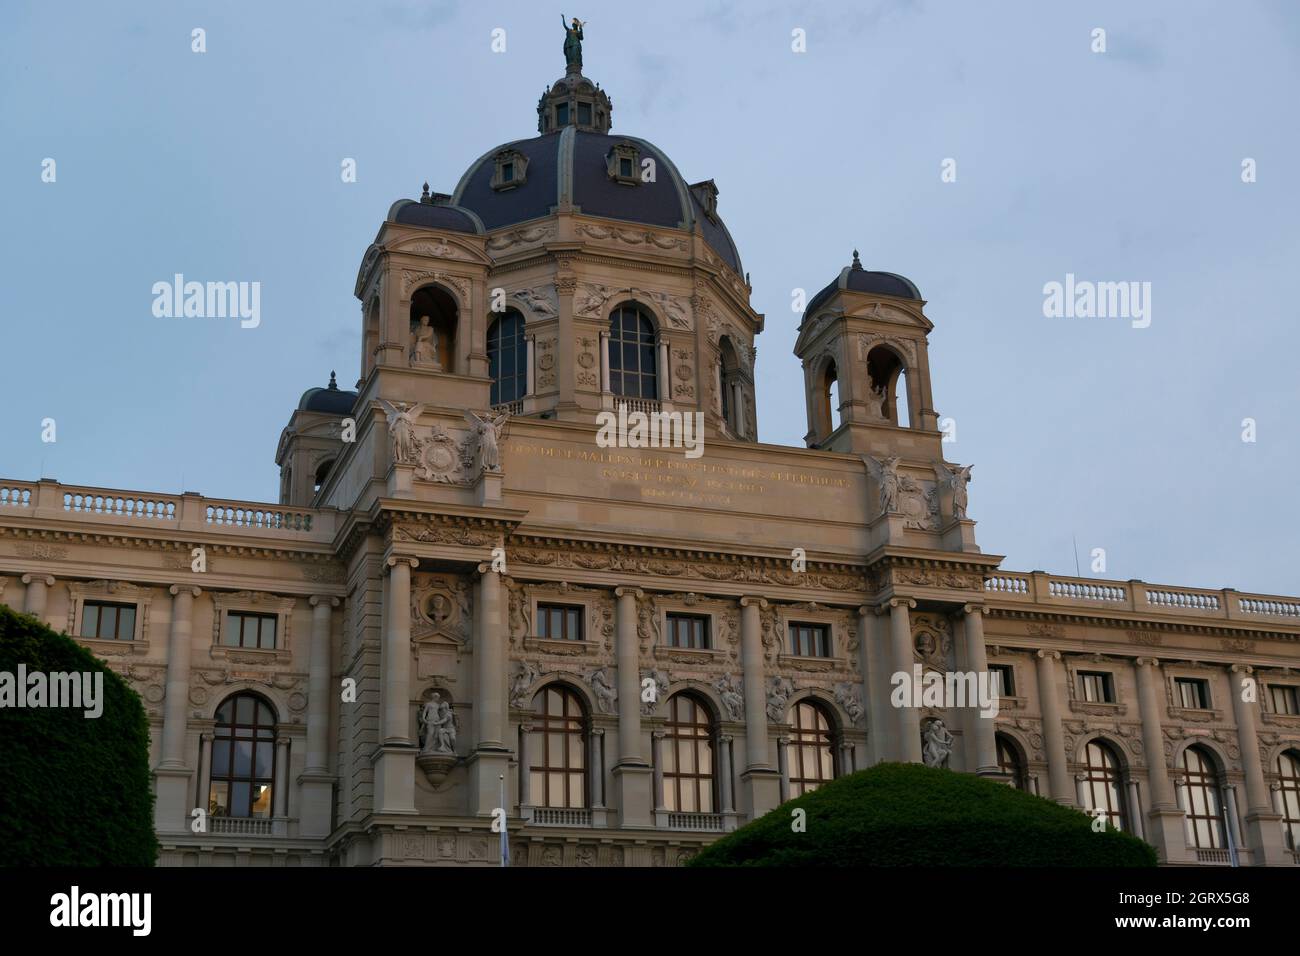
(331, 400)
(857, 279)
(570, 167)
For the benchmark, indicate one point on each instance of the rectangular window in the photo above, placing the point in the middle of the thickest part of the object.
(584, 114)
(1192, 694)
(688, 630)
(810, 640)
(559, 622)
(103, 621)
(255, 631)
(562, 114)
(507, 172)
(1098, 687)
(1284, 699)
(1001, 676)
(625, 168)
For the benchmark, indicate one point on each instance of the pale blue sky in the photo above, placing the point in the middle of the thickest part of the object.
(1116, 166)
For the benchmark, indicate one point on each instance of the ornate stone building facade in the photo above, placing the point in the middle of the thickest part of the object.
(462, 593)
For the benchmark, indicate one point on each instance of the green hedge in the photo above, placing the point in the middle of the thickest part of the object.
(910, 815)
(74, 791)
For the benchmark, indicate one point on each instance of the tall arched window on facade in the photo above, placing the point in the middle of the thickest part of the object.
(633, 362)
(243, 758)
(557, 749)
(507, 357)
(688, 756)
(811, 751)
(1011, 763)
(1103, 785)
(1288, 772)
(1204, 808)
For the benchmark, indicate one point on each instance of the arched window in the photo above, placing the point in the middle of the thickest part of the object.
(557, 749)
(1288, 772)
(322, 472)
(632, 359)
(507, 357)
(1011, 763)
(688, 756)
(888, 385)
(434, 319)
(1204, 809)
(811, 750)
(827, 401)
(730, 378)
(243, 758)
(1102, 784)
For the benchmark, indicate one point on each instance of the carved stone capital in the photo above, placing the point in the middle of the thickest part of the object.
(1146, 662)
(320, 599)
(1045, 654)
(1242, 669)
(46, 579)
(761, 603)
(486, 568)
(397, 559)
(636, 593)
(177, 589)
(974, 609)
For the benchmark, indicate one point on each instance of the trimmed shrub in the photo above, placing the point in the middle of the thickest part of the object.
(909, 815)
(76, 791)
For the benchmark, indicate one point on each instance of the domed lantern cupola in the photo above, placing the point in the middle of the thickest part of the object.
(574, 100)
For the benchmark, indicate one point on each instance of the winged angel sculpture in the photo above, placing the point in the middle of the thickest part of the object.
(401, 430)
(956, 478)
(488, 429)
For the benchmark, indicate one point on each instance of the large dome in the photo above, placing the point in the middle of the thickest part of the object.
(570, 167)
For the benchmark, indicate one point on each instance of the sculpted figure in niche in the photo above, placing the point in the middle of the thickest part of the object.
(886, 475)
(488, 433)
(424, 347)
(957, 478)
(401, 430)
(604, 691)
(437, 726)
(876, 403)
(937, 744)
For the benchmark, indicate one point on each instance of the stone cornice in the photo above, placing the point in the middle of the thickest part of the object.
(1212, 628)
(262, 549)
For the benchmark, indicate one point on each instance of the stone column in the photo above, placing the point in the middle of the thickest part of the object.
(529, 366)
(1263, 833)
(491, 758)
(171, 812)
(1058, 771)
(632, 777)
(984, 728)
(1167, 831)
(738, 403)
(724, 774)
(395, 759)
(783, 766)
(909, 718)
(872, 656)
(1234, 821)
(315, 782)
(34, 601)
(204, 789)
(1135, 809)
(604, 361)
(597, 738)
(1081, 788)
(657, 742)
(717, 391)
(665, 373)
(525, 766)
(759, 783)
(280, 786)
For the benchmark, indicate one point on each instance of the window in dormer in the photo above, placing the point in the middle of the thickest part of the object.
(511, 169)
(584, 114)
(562, 114)
(623, 161)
